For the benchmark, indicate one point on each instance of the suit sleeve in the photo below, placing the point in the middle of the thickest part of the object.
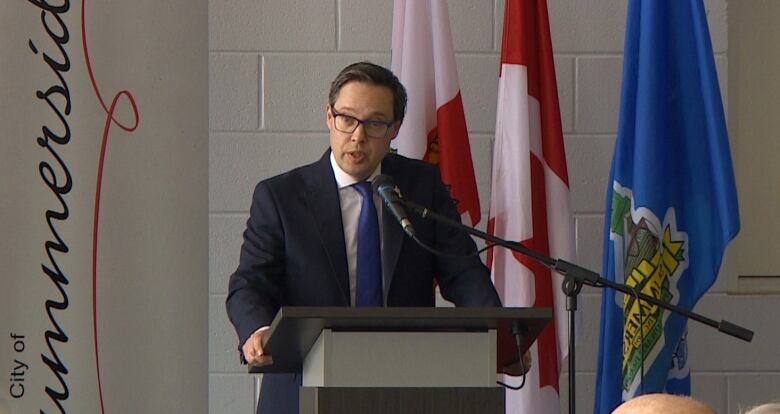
(254, 290)
(465, 280)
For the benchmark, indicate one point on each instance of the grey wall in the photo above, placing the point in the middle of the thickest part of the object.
(753, 88)
(270, 65)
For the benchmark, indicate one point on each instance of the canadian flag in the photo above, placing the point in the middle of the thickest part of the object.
(435, 127)
(530, 195)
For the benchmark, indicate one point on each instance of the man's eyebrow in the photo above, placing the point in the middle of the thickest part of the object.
(371, 117)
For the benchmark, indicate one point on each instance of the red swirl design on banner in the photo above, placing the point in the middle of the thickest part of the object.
(110, 111)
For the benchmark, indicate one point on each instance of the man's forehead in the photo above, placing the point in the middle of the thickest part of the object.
(376, 88)
(371, 99)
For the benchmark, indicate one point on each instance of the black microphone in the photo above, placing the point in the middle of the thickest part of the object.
(384, 186)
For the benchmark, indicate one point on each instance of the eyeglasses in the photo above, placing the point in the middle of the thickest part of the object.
(348, 124)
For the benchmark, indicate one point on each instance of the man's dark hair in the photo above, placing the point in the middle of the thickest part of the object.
(372, 74)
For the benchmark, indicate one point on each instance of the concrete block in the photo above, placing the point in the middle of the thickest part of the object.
(498, 27)
(722, 66)
(589, 160)
(712, 351)
(225, 238)
(589, 306)
(482, 156)
(585, 392)
(238, 162)
(365, 25)
(297, 88)
(751, 389)
(587, 26)
(590, 241)
(598, 94)
(564, 77)
(479, 90)
(725, 276)
(223, 341)
(471, 24)
(234, 90)
(728, 271)
(710, 389)
(272, 25)
(481, 226)
(231, 394)
(718, 24)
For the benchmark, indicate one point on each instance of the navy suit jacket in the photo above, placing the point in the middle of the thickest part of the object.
(294, 254)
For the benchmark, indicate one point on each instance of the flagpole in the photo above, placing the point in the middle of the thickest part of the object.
(574, 277)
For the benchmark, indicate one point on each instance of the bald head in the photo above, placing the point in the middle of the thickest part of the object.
(663, 403)
(771, 408)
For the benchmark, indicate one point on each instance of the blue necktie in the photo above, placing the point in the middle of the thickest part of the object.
(369, 262)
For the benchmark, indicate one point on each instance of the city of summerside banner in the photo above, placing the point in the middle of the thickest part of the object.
(103, 206)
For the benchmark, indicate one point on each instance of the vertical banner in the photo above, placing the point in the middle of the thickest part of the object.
(434, 128)
(103, 206)
(671, 205)
(530, 194)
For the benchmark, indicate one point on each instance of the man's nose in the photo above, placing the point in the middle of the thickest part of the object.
(359, 134)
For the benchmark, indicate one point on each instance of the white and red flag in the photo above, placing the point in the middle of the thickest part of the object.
(530, 194)
(435, 127)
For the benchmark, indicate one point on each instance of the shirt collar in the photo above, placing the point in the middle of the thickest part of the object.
(345, 180)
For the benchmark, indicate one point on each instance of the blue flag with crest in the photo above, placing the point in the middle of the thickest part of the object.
(671, 205)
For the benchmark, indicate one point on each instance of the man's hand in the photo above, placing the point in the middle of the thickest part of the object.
(515, 369)
(253, 349)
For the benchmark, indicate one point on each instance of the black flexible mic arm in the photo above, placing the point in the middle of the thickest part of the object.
(581, 274)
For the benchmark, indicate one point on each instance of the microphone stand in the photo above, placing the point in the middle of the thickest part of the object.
(574, 277)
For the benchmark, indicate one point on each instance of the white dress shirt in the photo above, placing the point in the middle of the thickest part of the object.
(351, 203)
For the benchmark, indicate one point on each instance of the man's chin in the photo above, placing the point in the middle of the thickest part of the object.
(359, 174)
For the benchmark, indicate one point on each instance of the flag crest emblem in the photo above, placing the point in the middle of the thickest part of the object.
(652, 260)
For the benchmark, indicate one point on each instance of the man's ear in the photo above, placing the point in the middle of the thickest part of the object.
(396, 128)
(328, 115)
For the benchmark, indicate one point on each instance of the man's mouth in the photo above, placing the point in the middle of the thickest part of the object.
(355, 156)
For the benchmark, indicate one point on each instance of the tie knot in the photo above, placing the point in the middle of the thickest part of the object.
(363, 187)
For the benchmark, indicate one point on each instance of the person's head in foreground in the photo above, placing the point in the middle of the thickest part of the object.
(770, 408)
(663, 403)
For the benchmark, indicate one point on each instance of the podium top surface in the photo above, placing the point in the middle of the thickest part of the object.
(295, 329)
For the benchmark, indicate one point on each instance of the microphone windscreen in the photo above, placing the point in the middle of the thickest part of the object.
(382, 180)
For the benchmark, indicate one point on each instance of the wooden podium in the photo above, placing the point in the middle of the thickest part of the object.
(399, 360)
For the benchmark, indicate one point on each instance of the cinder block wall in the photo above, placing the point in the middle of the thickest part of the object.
(270, 65)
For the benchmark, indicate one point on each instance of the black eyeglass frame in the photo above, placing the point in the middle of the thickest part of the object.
(369, 122)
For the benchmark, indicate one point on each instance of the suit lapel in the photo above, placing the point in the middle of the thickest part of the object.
(393, 235)
(323, 202)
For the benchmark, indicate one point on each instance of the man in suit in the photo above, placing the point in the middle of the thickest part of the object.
(301, 244)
